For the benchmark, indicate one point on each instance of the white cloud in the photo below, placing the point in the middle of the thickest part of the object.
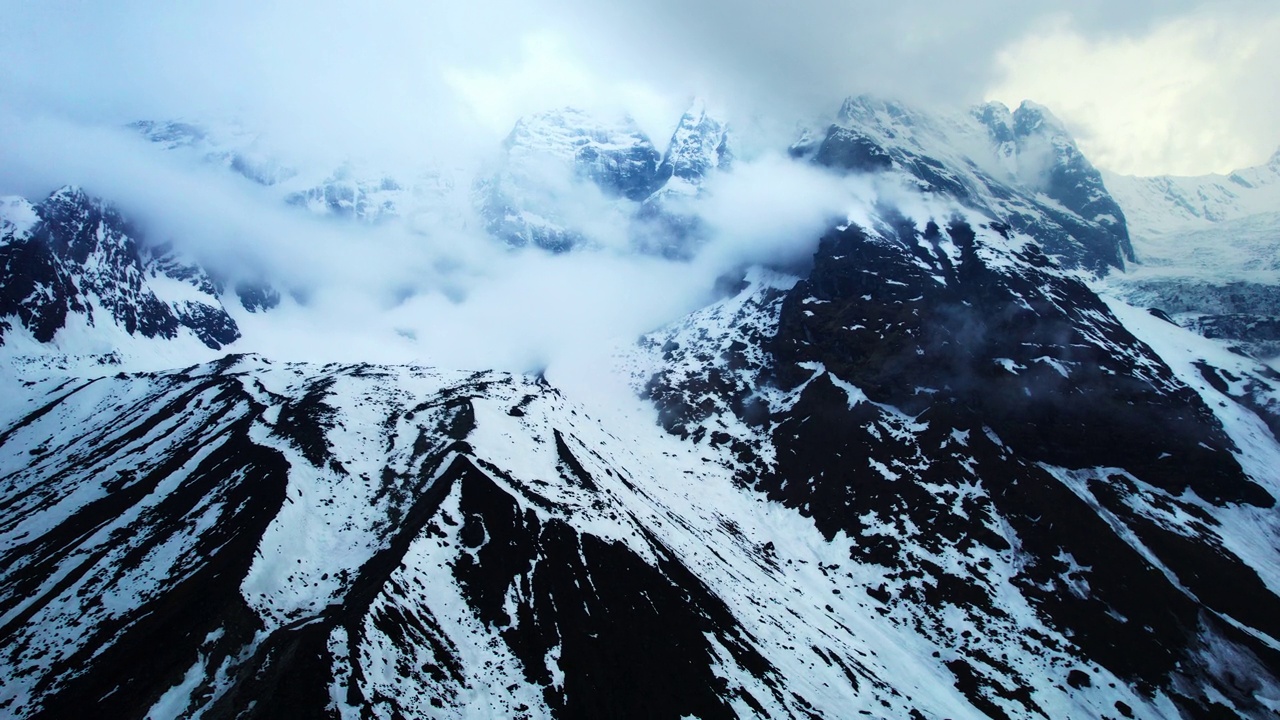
(1192, 95)
(410, 85)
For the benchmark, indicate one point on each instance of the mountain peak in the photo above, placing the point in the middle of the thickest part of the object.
(699, 144)
(563, 131)
(69, 194)
(171, 133)
(1032, 117)
(998, 120)
(544, 151)
(866, 108)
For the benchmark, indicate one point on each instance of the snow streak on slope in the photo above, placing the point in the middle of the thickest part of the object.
(1014, 469)
(399, 541)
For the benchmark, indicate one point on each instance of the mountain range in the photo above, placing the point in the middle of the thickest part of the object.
(1002, 446)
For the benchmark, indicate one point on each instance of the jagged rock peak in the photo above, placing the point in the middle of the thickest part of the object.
(1031, 117)
(617, 156)
(997, 118)
(700, 143)
(985, 159)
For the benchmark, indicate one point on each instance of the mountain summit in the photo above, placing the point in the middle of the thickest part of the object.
(940, 470)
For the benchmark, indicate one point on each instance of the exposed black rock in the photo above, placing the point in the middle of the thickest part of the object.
(84, 259)
(949, 393)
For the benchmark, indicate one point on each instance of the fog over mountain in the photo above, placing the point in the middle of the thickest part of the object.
(640, 360)
(320, 85)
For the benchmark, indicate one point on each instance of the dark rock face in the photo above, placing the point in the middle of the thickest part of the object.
(951, 400)
(1035, 355)
(257, 296)
(1074, 182)
(83, 258)
(850, 150)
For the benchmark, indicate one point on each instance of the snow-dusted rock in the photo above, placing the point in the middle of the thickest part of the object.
(1020, 168)
(934, 474)
(73, 270)
(535, 197)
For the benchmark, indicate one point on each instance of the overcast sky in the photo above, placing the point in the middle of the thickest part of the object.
(1149, 86)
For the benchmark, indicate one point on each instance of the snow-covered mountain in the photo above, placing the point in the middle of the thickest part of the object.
(642, 198)
(1021, 167)
(1168, 205)
(75, 273)
(936, 474)
(1209, 252)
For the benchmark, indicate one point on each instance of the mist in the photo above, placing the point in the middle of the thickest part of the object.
(407, 89)
(442, 291)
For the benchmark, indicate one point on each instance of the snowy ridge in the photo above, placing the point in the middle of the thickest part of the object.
(77, 278)
(1019, 168)
(1166, 205)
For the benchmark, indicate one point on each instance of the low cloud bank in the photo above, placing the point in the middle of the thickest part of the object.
(444, 292)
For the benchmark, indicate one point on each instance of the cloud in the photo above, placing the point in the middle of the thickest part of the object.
(1191, 95)
(772, 210)
(445, 294)
(409, 85)
(406, 79)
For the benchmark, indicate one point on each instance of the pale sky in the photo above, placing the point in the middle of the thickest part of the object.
(1149, 86)
(1192, 94)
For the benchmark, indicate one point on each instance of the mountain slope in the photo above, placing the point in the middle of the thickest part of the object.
(933, 473)
(471, 547)
(1021, 168)
(1009, 461)
(1209, 252)
(71, 262)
